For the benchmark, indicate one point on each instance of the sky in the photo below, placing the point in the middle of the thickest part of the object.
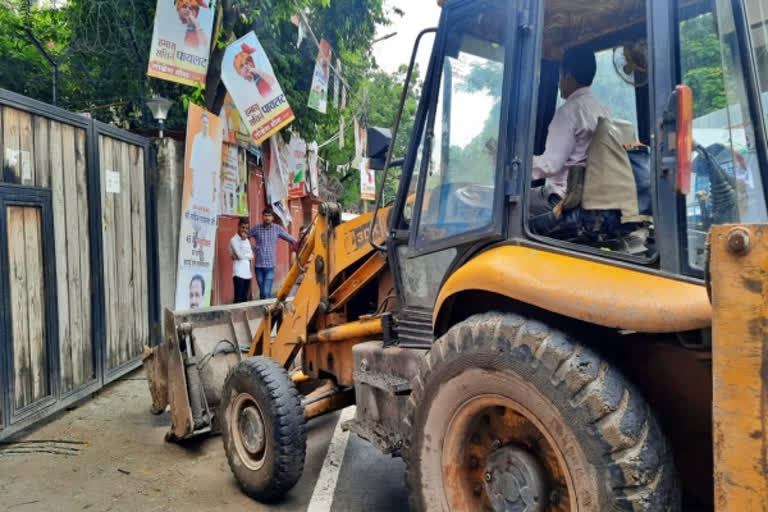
(469, 109)
(392, 52)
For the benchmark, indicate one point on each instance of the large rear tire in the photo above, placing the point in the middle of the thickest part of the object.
(263, 428)
(508, 414)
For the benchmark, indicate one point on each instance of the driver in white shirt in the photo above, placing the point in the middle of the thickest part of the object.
(570, 131)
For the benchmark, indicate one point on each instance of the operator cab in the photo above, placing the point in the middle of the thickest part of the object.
(610, 203)
(489, 97)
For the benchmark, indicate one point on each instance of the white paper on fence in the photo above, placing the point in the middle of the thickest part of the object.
(112, 182)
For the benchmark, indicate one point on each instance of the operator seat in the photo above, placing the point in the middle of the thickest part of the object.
(607, 203)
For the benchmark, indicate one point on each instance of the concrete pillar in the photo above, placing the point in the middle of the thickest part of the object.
(169, 179)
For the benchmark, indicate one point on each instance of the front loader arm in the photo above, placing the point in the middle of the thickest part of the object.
(188, 370)
(330, 250)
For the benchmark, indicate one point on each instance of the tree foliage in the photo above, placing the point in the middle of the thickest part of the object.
(378, 107)
(101, 49)
(701, 64)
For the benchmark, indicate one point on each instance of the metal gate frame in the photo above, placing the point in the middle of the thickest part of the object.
(98, 319)
(17, 195)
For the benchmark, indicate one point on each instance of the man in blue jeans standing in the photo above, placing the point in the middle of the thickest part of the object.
(265, 237)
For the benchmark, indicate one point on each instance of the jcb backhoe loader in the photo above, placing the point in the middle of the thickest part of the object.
(572, 362)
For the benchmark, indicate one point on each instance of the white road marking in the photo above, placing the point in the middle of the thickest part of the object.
(325, 487)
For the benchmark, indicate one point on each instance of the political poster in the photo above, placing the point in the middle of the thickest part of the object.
(233, 129)
(367, 181)
(234, 181)
(181, 40)
(336, 84)
(361, 144)
(297, 167)
(251, 82)
(277, 171)
(199, 209)
(314, 180)
(318, 95)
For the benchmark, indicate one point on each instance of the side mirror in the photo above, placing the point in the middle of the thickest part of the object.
(677, 130)
(379, 140)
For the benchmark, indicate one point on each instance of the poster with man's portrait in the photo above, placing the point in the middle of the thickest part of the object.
(181, 40)
(253, 86)
(199, 209)
(318, 95)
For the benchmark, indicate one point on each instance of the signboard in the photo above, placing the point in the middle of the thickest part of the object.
(367, 181)
(318, 95)
(250, 80)
(233, 128)
(234, 181)
(181, 40)
(297, 167)
(199, 209)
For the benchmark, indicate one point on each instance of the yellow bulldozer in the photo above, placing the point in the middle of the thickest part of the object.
(610, 355)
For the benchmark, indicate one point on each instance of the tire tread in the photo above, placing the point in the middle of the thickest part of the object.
(288, 422)
(635, 451)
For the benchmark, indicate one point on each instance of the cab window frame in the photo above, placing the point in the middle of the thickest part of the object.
(494, 230)
(742, 43)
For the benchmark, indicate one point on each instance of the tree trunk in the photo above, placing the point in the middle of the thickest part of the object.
(214, 88)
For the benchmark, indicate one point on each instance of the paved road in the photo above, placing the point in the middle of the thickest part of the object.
(109, 455)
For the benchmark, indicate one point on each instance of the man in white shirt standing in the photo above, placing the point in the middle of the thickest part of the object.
(242, 254)
(570, 131)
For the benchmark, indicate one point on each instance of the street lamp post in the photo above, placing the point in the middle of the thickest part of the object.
(159, 107)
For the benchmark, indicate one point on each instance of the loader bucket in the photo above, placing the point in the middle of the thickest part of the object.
(188, 369)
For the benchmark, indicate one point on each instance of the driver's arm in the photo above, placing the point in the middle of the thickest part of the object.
(561, 140)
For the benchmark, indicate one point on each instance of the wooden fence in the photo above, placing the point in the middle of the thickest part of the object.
(77, 258)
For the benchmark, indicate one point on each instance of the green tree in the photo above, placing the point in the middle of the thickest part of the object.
(701, 63)
(102, 48)
(383, 91)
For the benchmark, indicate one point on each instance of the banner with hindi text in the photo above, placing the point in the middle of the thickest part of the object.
(181, 40)
(251, 82)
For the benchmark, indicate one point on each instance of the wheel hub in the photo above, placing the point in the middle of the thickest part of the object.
(251, 430)
(515, 481)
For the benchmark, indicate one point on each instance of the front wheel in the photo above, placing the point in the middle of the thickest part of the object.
(507, 414)
(263, 428)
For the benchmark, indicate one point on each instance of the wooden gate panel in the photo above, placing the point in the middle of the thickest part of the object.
(125, 251)
(30, 358)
